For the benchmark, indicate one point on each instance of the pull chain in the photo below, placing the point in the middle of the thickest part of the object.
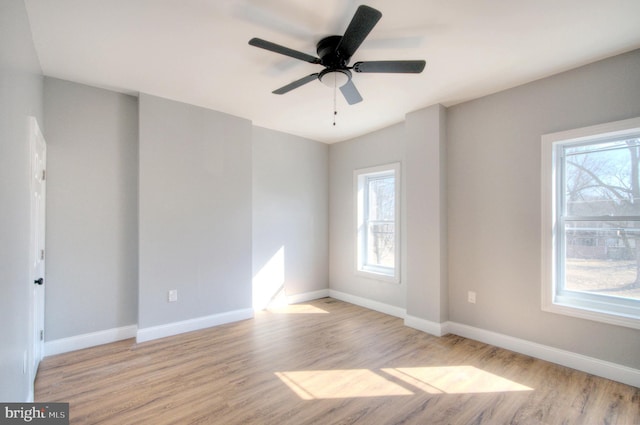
(335, 90)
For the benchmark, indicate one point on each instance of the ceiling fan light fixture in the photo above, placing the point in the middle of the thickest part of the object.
(335, 77)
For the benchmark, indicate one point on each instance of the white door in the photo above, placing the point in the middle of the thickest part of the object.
(37, 255)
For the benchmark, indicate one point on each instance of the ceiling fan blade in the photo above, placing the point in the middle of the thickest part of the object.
(350, 93)
(294, 85)
(406, 67)
(360, 26)
(273, 47)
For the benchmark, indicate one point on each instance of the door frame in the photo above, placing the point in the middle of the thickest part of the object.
(37, 194)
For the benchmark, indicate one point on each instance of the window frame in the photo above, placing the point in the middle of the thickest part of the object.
(555, 299)
(360, 177)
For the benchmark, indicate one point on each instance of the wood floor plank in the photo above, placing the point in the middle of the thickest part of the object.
(324, 362)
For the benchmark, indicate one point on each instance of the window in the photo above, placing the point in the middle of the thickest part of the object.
(591, 223)
(377, 207)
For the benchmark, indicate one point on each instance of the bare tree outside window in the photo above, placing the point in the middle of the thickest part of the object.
(377, 192)
(602, 209)
(381, 221)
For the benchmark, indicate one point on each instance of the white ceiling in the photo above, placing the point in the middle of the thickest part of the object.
(196, 51)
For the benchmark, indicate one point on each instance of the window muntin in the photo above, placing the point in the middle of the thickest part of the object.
(599, 178)
(377, 221)
(594, 231)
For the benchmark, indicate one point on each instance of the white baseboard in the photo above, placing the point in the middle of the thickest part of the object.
(576, 361)
(78, 342)
(432, 328)
(591, 365)
(370, 304)
(161, 331)
(605, 369)
(307, 296)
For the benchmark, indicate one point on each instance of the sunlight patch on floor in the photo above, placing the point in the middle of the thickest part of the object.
(328, 384)
(297, 309)
(454, 380)
(353, 383)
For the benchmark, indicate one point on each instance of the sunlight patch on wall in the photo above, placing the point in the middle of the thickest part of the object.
(268, 283)
(328, 384)
(454, 380)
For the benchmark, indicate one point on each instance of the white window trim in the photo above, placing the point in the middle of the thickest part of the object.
(551, 301)
(370, 272)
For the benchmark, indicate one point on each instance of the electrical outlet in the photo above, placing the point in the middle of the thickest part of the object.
(471, 297)
(172, 295)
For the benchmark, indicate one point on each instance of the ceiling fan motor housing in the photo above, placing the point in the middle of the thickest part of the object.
(327, 49)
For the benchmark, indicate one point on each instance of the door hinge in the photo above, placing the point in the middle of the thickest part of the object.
(41, 335)
(44, 175)
(42, 254)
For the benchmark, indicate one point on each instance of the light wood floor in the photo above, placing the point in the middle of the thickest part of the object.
(324, 362)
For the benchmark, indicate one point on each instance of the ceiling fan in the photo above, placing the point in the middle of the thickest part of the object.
(334, 53)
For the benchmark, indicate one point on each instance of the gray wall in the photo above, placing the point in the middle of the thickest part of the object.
(472, 181)
(20, 97)
(92, 189)
(419, 145)
(494, 203)
(290, 213)
(426, 215)
(381, 147)
(194, 212)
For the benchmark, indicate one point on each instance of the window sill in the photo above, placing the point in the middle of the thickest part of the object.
(567, 308)
(377, 276)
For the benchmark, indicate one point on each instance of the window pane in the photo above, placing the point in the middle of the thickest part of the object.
(376, 221)
(380, 221)
(601, 258)
(381, 198)
(381, 247)
(602, 179)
